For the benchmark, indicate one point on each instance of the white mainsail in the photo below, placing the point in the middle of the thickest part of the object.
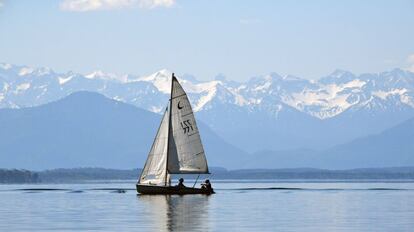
(154, 171)
(186, 153)
(177, 147)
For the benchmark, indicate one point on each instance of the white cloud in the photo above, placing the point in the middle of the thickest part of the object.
(410, 62)
(92, 5)
(149, 4)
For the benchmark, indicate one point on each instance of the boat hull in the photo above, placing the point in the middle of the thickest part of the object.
(170, 190)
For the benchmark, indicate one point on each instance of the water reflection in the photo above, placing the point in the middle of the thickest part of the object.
(177, 213)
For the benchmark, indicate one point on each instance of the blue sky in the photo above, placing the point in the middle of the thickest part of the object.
(239, 39)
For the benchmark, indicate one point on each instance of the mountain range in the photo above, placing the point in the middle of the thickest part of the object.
(87, 129)
(393, 147)
(269, 114)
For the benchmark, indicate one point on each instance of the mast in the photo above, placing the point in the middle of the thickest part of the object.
(169, 128)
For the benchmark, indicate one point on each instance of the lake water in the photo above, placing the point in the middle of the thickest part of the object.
(237, 206)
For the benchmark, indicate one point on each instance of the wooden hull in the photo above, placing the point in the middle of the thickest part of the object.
(170, 190)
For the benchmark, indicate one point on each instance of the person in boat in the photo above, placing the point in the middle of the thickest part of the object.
(181, 183)
(207, 185)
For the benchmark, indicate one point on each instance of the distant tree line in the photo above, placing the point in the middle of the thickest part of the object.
(86, 174)
(314, 173)
(9, 176)
(90, 174)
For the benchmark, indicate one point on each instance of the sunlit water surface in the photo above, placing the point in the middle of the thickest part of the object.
(237, 206)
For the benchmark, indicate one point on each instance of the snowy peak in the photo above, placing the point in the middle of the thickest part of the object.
(215, 93)
(162, 75)
(25, 70)
(23, 86)
(107, 76)
(5, 66)
(161, 80)
(338, 76)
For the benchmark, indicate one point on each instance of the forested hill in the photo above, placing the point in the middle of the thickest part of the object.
(18, 176)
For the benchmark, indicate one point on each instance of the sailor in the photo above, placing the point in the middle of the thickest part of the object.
(207, 185)
(181, 183)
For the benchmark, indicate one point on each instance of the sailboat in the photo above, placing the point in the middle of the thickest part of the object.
(177, 149)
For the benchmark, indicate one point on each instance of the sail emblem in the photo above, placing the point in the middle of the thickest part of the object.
(186, 125)
(178, 105)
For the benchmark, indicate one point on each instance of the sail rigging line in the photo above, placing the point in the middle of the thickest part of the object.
(196, 180)
(178, 95)
(194, 157)
(193, 133)
(186, 114)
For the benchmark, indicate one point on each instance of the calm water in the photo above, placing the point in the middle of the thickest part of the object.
(301, 206)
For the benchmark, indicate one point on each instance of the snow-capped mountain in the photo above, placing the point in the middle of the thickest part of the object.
(22, 86)
(263, 102)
